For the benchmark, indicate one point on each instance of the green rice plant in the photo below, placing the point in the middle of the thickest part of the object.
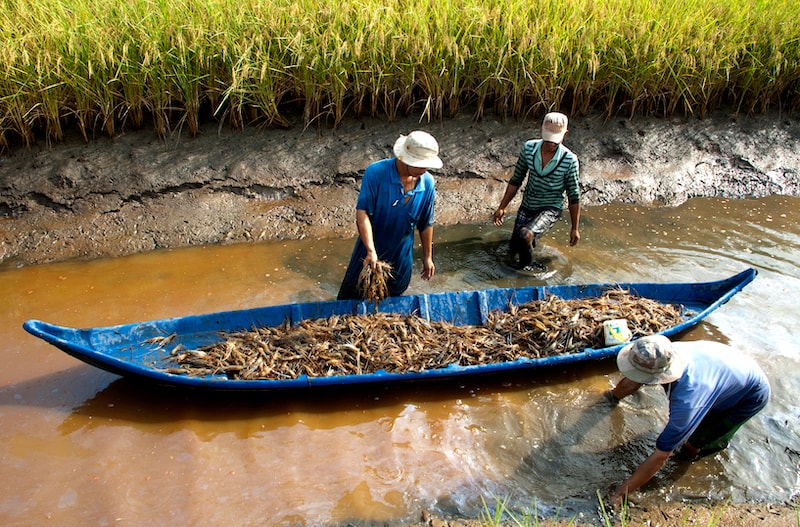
(101, 65)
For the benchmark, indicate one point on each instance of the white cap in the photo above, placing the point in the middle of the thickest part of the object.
(554, 127)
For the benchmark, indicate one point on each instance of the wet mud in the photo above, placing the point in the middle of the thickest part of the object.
(134, 193)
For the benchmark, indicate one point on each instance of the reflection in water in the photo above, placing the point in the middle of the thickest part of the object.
(86, 447)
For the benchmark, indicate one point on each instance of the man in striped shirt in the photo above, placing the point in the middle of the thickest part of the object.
(552, 171)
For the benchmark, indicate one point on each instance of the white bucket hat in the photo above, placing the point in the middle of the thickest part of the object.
(651, 360)
(554, 127)
(418, 149)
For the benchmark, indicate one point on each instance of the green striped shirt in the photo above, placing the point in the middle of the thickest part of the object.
(546, 185)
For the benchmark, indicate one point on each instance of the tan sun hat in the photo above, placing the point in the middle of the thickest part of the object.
(418, 149)
(554, 127)
(651, 360)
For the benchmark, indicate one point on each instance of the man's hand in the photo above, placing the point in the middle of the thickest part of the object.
(497, 217)
(428, 269)
(371, 259)
(646, 470)
(574, 237)
(619, 497)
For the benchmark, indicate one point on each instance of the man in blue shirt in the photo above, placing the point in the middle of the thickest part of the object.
(712, 392)
(552, 171)
(397, 196)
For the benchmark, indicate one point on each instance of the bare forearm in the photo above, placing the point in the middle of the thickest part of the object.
(364, 226)
(641, 475)
(426, 238)
(575, 218)
(508, 195)
(624, 388)
(428, 268)
(575, 214)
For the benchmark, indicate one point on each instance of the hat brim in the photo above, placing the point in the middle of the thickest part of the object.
(422, 163)
(429, 162)
(553, 137)
(626, 367)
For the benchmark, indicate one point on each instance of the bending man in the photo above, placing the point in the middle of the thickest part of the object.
(712, 391)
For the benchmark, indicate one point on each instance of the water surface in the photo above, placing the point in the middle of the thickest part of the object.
(80, 446)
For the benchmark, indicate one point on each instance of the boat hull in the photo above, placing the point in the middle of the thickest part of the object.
(124, 349)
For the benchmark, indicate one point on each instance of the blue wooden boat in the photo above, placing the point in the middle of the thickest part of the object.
(124, 349)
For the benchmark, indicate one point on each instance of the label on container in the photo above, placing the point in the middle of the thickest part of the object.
(616, 331)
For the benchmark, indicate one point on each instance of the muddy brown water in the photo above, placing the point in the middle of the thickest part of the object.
(80, 446)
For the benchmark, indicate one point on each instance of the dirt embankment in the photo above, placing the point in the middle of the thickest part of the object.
(134, 193)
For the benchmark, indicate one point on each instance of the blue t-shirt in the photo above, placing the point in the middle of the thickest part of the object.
(394, 214)
(716, 379)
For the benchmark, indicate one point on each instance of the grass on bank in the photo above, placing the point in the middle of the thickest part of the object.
(500, 515)
(101, 65)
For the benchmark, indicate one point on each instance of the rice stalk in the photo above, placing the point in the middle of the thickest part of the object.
(103, 64)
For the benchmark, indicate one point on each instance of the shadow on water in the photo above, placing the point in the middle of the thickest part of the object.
(110, 401)
(125, 398)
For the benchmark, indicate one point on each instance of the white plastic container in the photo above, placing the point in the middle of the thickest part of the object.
(616, 331)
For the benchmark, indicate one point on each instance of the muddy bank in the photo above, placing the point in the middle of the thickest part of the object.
(135, 193)
(700, 513)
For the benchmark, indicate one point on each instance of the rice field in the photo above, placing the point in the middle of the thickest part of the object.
(104, 65)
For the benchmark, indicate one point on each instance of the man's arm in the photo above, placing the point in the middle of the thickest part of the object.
(649, 466)
(641, 475)
(426, 237)
(364, 226)
(624, 388)
(575, 218)
(511, 191)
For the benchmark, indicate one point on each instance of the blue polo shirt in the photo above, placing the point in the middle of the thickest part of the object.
(394, 215)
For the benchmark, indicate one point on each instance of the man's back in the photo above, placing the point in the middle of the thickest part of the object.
(716, 379)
